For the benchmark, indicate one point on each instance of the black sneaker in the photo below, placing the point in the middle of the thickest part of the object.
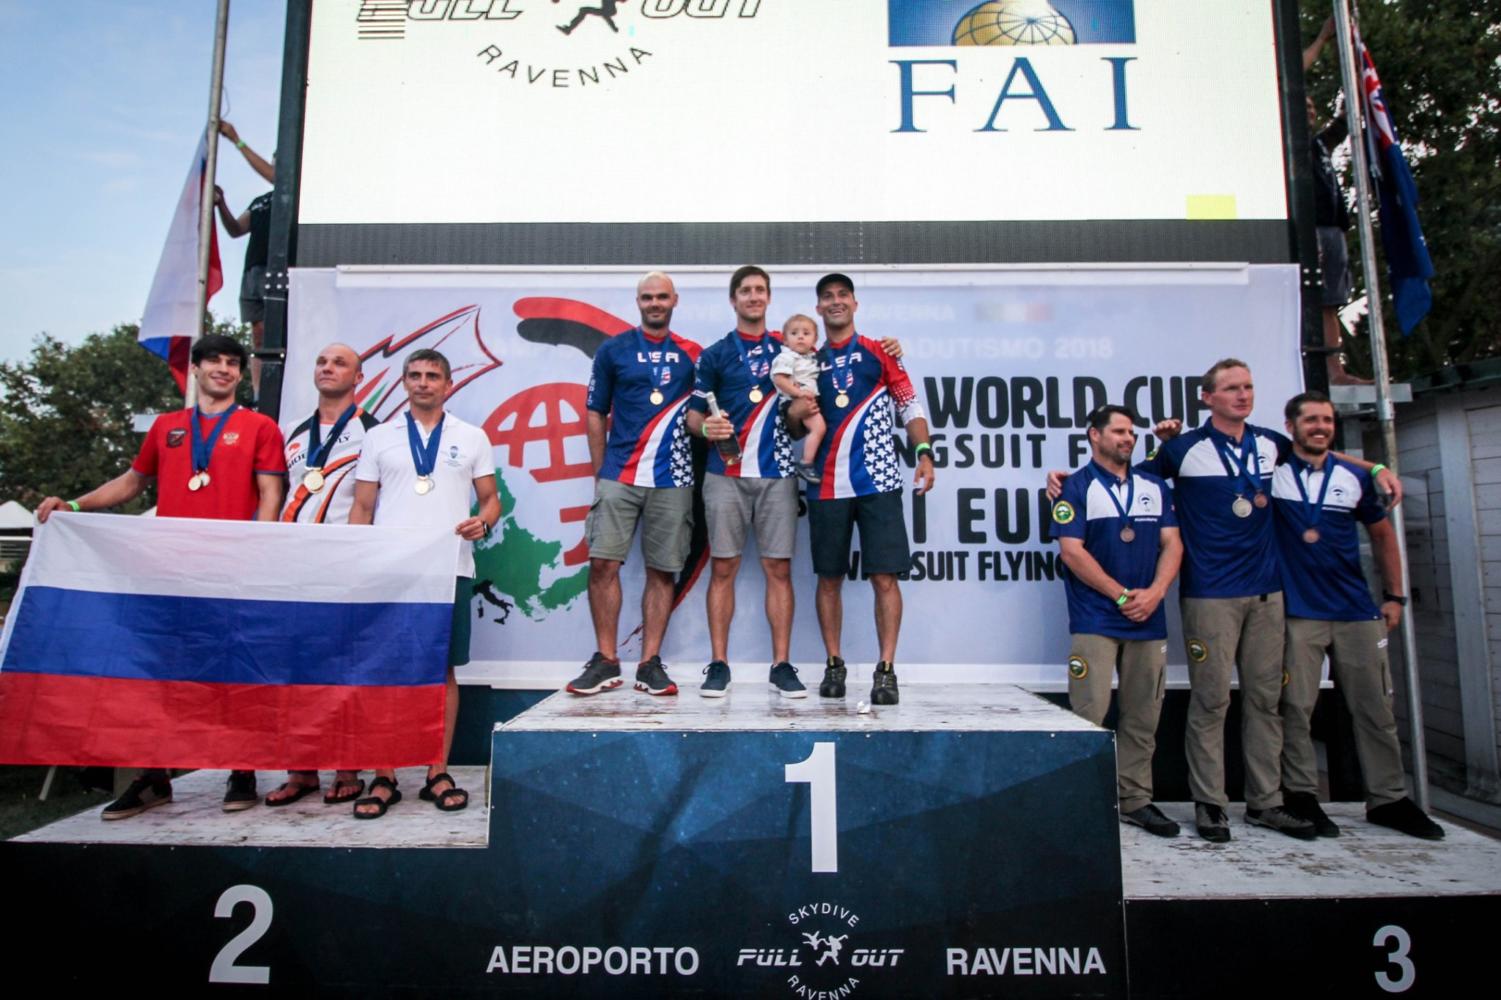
(652, 678)
(1279, 819)
(1212, 823)
(1305, 806)
(1404, 816)
(783, 680)
(1150, 819)
(716, 680)
(883, 685)
(599, 675)
(150, 790)
(239, 791)
(834, 673)
(807, 472)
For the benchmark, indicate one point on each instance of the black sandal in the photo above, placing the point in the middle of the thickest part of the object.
(440, 799)
(340, 793)
(375, 800)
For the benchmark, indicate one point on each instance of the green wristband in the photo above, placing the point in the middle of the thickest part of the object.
(1377, 469)
(918, 451)
(74, 505)
(1120, 601)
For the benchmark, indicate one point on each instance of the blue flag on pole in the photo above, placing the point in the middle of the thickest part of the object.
(1407, 262)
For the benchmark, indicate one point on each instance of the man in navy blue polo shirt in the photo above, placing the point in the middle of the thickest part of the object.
(1318, 498)
(1119, 542)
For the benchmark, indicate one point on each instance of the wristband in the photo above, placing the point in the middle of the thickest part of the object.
(74, 504)
(239, 144)
(1394, 599)
(703, 429)
(1120, 601)
(918, 451)
(1377, 469)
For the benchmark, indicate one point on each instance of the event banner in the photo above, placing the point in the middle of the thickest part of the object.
(1007, 364)
(809, 111)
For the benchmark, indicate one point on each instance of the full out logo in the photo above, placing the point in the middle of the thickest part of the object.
(556, 44)
(821, 959)
(1008, 28)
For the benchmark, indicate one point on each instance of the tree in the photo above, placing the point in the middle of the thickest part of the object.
(66, 413)
(1440, 65)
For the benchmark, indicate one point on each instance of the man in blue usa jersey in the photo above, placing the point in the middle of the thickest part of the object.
(1118, 538)
(1317, 499)
(643, 471)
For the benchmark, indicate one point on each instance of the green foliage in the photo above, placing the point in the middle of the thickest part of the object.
(1440, 66)
(66, 413)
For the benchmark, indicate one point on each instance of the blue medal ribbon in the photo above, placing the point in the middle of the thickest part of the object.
(317, 449)
(203, 448)
(1313, 509)
(841, 358)
(759, 371)
(1109, 482)
(660, 374)
(1249, 458)
(424, 456)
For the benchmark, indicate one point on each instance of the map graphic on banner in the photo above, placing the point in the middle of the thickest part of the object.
(1007, 363)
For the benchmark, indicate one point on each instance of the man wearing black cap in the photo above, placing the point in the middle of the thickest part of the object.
(859, 388)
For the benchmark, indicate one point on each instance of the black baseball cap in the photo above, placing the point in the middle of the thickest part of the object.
(834, 278)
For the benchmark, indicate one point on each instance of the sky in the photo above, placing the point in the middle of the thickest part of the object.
(104, 103)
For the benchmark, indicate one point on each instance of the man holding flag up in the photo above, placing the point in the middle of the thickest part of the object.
(214, 460)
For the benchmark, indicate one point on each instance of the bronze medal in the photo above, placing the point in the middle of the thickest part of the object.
(1260, 499)
(756, 395)
(1128, 534)
(1311, 535)
(312, 479)
(657, 397)
(841, 400)
(424, 485)
(1241, 507)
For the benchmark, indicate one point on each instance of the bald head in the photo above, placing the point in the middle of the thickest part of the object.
(656, 278)
(337, 371)
(656, 298)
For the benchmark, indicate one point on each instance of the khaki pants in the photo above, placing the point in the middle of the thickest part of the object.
(1092, 660)
(1221, 634)
(1357, 657)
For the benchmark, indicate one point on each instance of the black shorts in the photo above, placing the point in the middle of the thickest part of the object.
(883, 534)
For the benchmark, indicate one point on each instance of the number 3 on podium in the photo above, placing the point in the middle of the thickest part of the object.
(817, 769)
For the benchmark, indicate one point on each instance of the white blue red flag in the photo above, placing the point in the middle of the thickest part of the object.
(170, 321)
(1407, 262)
(271, 646)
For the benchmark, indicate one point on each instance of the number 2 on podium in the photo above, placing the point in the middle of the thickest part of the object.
(817, 769)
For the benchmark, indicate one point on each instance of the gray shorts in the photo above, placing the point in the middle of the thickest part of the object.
(1334, 262)
(732, 504)
(665, 514)
(253, 295)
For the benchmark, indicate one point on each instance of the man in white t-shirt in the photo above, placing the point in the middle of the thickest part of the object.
(420, 470)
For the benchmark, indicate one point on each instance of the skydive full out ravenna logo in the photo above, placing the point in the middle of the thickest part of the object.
(553, 44)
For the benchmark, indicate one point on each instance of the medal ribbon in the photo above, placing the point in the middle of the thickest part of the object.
(660, 374)
(317, 449)
(424, 457)
(1109, 483)
(1313, 510)
(841, 358)
(203, 450)
(758, 369)
(1249, 458)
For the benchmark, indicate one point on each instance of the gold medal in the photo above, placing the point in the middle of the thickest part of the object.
(1128, 534)
(1260, 499)
(756, 395)
(195, 482)
(841, 400)
(1311, 535)
(1241, 507)
(312, 479)
(657, 397)
(424, 485)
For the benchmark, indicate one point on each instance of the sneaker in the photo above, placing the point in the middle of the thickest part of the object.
(1212, 823)
(239, 791)
(716, 680)
(807, 473)
(150, 790)
(784, 680)
(652, 678)
(1279, 819)
(599, 675)
(1305, 806)
(1150, 819)
(1404, 816)
(832, 685)
(883, 685)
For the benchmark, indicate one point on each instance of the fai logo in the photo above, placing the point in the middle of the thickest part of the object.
(824, 962)
(1011, 22)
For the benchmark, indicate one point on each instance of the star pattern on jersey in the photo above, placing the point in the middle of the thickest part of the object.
(781, 448)
(880, 452)
(681, 456)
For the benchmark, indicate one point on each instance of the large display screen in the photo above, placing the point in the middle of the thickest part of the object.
(757, 111)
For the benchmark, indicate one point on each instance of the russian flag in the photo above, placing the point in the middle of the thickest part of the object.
(174, 642)
(169, 323)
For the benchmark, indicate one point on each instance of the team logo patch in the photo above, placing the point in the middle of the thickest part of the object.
(1078, 667)
(1197, 651)
(176, 437)
(230, 437)
(1063, 512)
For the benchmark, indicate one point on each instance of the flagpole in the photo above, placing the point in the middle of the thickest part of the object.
(1385, 412)
(206, 196)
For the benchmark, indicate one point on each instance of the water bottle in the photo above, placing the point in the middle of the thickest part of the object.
(729, 448)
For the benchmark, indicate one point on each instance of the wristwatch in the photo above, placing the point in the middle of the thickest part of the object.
(1394, 599)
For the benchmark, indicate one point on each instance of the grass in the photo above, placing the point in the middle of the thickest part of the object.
(21, 811)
